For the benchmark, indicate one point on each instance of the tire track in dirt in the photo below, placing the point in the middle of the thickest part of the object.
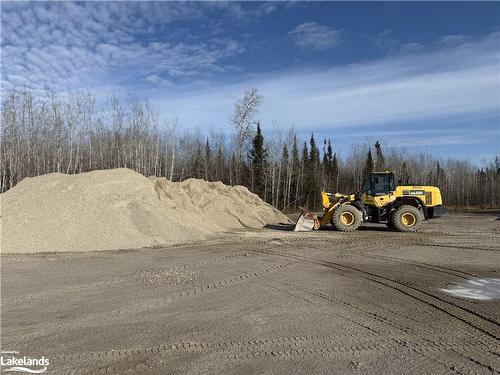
(394, 239)
(431, 332)
(116, 280)
(281, 347)
(423, 265)
(386, 319)
(192, 292)
(475, 320)
(159, 276)
(476, 248)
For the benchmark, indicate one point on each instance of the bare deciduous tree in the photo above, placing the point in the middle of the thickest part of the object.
(242, 121)
(41, 135)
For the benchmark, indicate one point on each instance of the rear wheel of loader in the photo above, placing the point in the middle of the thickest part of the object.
(407, 219)
(346, 218)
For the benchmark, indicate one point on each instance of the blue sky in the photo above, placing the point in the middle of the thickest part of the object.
(419, 75)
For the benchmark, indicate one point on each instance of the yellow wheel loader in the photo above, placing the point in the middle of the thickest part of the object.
(402, 208)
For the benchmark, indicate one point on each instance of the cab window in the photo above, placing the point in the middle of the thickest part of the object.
(379, 184)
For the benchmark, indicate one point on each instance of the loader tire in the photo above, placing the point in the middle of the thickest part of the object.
(346, 218)
(407, 219)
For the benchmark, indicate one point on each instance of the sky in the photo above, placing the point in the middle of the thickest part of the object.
(424, 76)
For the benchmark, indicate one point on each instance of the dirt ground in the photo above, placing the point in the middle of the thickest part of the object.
(267, 301)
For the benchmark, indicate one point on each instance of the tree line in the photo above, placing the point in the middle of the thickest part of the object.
(70, 134)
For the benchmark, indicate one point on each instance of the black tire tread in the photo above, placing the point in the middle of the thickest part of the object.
(337, 224)
(396, 218)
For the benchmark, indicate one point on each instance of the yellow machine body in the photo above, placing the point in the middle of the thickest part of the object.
(379, 201)
(428, 195)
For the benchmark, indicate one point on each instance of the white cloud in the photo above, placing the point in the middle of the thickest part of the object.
(389, 45)
(67, 46)
(450, 40)
(397, 89)
(244, 12)
(157, 80)
(411, 47)
(311, 35)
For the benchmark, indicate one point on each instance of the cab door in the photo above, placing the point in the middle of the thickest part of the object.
(378, 189)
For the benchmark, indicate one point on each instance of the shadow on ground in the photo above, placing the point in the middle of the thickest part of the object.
(363, 227)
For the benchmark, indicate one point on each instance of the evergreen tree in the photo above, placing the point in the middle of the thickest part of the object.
(329, 172)
(312, 174)
(313, 150)
(219, 164)
(197, 169)
(258, 161)
(368, 165)
(304, 167)
(294, 188)
(335, 173)
(329, 151)
(325, 170)
(380, 161)
(208, 161)
(285, 159)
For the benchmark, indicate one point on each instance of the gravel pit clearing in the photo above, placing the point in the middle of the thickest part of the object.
(268, 301)
(121, 209)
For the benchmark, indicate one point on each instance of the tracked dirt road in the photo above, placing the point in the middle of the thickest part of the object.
(266, 301)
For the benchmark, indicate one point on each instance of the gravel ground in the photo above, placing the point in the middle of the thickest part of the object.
(267, 301)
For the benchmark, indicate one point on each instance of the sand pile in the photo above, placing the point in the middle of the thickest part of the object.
(121, 209)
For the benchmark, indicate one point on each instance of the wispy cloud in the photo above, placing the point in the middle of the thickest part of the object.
(452, 40)
(311, 35)
(444, 83)
(149, 49)
(388, 44)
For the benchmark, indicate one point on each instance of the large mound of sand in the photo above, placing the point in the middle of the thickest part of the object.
(121, 209)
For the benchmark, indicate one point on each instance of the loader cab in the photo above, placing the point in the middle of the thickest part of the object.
(379, 183)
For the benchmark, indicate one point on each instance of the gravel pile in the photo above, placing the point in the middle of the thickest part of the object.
(121, 209)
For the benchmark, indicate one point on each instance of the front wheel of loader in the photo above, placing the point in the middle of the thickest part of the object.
(346, 218)
(407, 219)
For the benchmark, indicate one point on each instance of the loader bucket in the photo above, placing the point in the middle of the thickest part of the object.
(307, 221)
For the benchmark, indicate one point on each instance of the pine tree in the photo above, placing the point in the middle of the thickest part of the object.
(197, 169)
(335, 173)
(330, 175)
(219, 164)
(312, 173)
(304, 167)
(368, 165)
(208, 161)
(258, 161)
(294, 188)
(380, 160)
(325, 170)
(285, 159)
(329, 150)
